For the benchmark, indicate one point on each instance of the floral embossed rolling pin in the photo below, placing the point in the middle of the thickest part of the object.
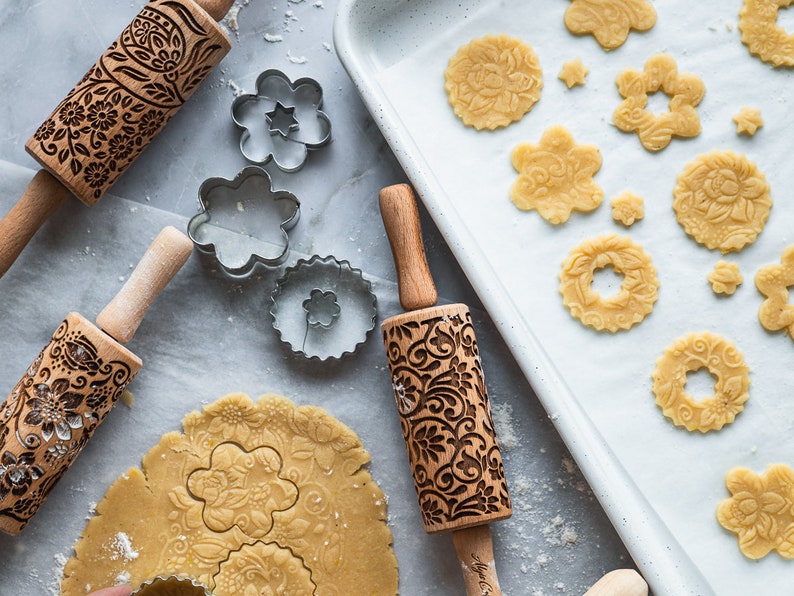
(110, 116)
(65, 394)
(443, 404)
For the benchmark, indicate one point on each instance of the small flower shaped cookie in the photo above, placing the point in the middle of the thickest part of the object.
(655, 131)
(627, 208)
(555, 176)
(773, 281)
(722, 200)
(761, 33)
(759, 510)
(493, 81)
(609, 21)
(725, 278)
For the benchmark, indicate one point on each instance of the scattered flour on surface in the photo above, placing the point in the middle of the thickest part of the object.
(273, 38)
(123, 578)
(296, 59)
(503, 421)
(122, 547)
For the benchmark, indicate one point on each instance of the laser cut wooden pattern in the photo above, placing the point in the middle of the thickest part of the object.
(52, 412)
(126, 98)
(446, 421)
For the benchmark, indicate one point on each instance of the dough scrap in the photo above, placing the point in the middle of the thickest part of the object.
(748, 121)
(638, 291)
(268, 489)
(722, 200)
(655, 131)
(725, 278)
(493, 81)
(773, 281)
(691, 353)
(573, 72)
(609, 21)
(627, 208)
(555, 176)
(760, 510)
(761, 33)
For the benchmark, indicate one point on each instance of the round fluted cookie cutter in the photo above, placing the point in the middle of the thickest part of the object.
(171, 585)
(323, 308)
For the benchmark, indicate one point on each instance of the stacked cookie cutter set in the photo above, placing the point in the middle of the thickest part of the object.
(322, 308)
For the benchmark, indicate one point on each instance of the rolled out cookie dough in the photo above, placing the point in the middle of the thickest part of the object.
(263, 497)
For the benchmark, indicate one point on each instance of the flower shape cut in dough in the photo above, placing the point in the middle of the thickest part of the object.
(609, 21)
(691, 353)
(722, 200)
(761, 33)
(760, 510)
(748, 121)
(774, 281)
(638, 291)
(627, 208)
(655, 131)
(493, 81)
(725, 278)
(266, 570)
(555, 176)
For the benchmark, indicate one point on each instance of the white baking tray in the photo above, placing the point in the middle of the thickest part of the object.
(659, 484)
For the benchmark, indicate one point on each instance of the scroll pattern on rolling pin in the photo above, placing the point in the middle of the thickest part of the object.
(124, 100)
(53, 411)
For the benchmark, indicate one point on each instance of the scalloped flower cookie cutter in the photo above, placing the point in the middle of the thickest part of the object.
(244, 221)
(282, 121)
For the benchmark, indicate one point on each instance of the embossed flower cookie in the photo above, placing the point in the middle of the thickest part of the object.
(609, 21)
(260, 498)
(761, 33)
(493, 81)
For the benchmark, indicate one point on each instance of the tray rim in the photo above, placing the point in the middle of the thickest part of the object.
(648, 540)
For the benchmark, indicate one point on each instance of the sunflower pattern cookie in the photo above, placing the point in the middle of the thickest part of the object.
(760, 510)
(493, 81)
(761, 33)
(660, 74)
(691, 353)
(722, 200)
(609, 21)
(555, 176)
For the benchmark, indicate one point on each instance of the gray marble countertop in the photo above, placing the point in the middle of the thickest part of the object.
(558, 541)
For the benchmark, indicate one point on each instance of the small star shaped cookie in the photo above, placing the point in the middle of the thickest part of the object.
(748, 121)
(573, 72)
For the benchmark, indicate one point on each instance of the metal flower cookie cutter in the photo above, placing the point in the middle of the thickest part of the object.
(323, 308)
(244, 221)
(282, 121)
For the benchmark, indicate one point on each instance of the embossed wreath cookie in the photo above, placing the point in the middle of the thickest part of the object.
(261, 498)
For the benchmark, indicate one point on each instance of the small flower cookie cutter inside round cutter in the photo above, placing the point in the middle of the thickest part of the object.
(323, 308)
(171, 585)
(282, 121)
(244, 221)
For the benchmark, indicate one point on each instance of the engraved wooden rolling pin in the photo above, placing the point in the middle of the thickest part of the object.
(110, 116)
(65, 394)
(443, 404)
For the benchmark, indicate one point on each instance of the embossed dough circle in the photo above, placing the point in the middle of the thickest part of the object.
(638, 291)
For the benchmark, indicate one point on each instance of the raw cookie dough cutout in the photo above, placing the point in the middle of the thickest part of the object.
(638, 291)
(774, 281)
(493, 81)
(555, 176)
(722, 200)
(691, 353)
(748, 121)
(627, 208)
(609, 21)
(660, 74)
(725, 278)
(265, 493)
(761, 33)
(760, 510)
(573, 73)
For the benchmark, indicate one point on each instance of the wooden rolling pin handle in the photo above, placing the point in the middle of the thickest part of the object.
(164, 257)
(475, 550)
(620, 582)
(401, 218)
(217, 9)
(41, 199)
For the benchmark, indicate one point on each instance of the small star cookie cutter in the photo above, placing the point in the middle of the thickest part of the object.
(323, 308)
(171, 585)
(282, 121)
(244, 221)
